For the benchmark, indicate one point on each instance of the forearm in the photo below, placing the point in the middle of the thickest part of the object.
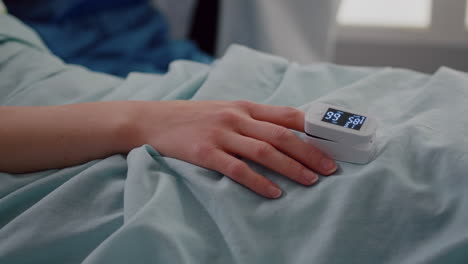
(38, 138)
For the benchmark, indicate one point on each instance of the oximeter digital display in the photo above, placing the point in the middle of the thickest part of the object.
(344, 119)
(342, 134)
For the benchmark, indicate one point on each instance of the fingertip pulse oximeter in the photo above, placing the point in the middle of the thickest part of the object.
(342, 134)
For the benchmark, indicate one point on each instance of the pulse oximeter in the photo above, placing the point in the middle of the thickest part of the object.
(342, 134)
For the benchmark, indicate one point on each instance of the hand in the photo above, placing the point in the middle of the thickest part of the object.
(213, 134)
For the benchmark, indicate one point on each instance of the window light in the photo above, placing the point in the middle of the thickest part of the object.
(386, 13)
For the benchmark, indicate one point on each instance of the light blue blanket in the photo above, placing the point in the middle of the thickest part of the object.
(410, 205)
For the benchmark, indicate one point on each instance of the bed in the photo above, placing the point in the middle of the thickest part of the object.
(409, 205)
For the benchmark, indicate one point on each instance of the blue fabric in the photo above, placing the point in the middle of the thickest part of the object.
(115, 37)
(407, 206)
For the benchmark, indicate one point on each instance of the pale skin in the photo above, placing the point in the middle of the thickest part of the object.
(211, 134)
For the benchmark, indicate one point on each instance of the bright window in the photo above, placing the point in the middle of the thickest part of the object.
(386, 13)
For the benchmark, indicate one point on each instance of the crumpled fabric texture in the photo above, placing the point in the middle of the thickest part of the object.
(409, 205)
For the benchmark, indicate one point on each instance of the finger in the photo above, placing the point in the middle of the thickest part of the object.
(285, 116)
(240, 172)
(287, 142)
(268, 156)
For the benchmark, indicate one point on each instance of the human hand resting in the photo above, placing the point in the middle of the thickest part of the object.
(211, 134)
(216, 134)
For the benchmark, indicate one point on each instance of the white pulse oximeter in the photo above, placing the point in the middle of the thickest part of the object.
(341, 134)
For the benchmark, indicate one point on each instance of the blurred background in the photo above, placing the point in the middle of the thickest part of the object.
(120, 36)
(418, 34)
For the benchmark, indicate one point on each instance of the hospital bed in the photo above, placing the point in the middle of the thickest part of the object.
(409, 205)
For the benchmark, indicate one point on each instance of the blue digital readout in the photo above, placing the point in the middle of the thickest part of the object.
(344, 119)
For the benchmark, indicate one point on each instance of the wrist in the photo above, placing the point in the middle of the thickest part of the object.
(126, 125)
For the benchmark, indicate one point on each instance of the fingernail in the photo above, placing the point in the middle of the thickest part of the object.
(328, 165)
(309, 176)
(274, 192)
